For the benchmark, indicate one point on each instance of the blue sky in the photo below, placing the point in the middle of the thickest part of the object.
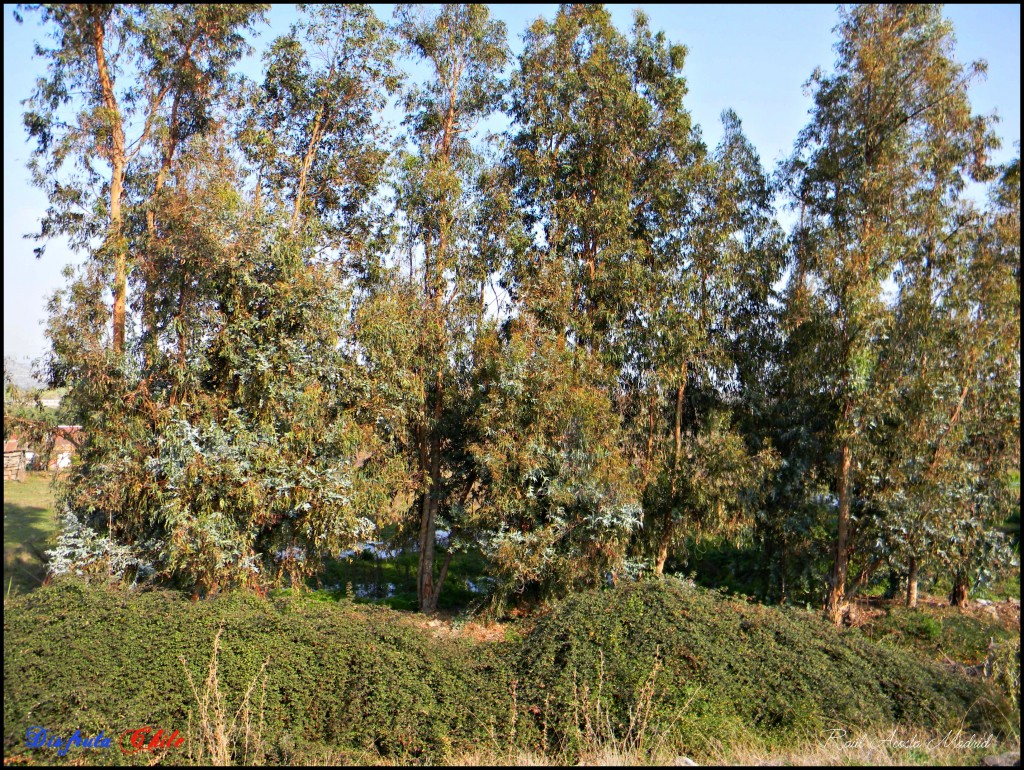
(751, 58)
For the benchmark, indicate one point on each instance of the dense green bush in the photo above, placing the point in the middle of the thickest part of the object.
(357, 682)
(340, 677)
(725, 670)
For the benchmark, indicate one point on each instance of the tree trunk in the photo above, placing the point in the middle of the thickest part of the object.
(118, 161)
(835, 604)
(894, 584)
(958, 596)
(666, 540)
(439, 583)
(425, 571)
(149, 265)
(652, 404)
(680, 392)
(912, 583)
(667, 524)
(120, 260)
(307, 164)
(428, 593)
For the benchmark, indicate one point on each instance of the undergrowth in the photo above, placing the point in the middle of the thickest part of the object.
(644, 672)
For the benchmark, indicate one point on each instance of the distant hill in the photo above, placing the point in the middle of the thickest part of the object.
(20, 372)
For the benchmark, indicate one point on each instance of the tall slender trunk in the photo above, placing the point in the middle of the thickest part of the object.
(912, 583)
(429, 590)
(834, 605)
(315, 135)
(426, 531)
(425, 574)
(307, 165)
(667, 523)
(149, 266)
(664, 543)
(120, 260)
(118, 161)
(652, 404)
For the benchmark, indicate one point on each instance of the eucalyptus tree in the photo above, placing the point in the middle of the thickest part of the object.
(187, 56)
(647, 259)
(599, 151)
(463, 51)
(600, 154)
(95, 45)
(891, 132)
(250, 461)
(103, 101)
(313, 129)
(910, 474)
(982, 430)
(259, 464)
(730, 257)
(561, 505)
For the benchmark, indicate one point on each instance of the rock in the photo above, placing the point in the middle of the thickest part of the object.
(983, 602)
(684, 762)
(1009, 759)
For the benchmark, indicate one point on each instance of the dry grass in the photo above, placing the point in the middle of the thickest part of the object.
(219, 739)
(596, 734)
(880, 748)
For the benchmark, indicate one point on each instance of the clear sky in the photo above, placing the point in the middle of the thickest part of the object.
(751, 58)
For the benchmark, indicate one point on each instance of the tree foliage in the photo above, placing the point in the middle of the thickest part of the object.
(546, 318)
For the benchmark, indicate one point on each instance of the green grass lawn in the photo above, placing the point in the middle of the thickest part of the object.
(29, 528)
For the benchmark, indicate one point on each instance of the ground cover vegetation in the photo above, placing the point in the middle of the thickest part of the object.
(652, 668)
(448, 366)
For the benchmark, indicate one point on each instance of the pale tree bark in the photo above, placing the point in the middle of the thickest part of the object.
(118, 162)
(836, 601)
(667, 523)
(307, 165)
(912, 583)
(321, 123)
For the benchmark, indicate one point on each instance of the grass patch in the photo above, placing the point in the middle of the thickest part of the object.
(940, 633)
(30, 525)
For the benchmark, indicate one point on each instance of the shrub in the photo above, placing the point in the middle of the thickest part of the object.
(727, 671)
(341, 676)
(643, 669)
